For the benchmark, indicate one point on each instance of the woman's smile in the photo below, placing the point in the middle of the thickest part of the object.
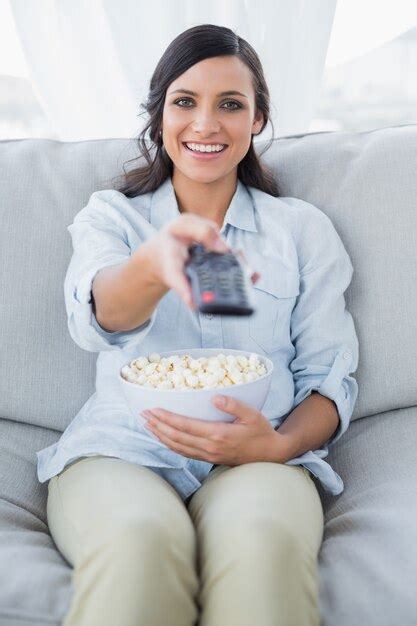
(204, 156)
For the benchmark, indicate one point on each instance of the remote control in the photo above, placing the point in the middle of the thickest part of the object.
(219, 282)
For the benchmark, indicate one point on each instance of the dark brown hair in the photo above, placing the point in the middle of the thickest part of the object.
(190, 47)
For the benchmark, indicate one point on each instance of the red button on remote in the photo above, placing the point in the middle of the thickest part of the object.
(207, 296)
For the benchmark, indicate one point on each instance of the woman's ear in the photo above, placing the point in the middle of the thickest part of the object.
(258, 123)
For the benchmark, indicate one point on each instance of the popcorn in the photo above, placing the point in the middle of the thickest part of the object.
(184, 372)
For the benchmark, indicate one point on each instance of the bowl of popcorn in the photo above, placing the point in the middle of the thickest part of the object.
(186, 381)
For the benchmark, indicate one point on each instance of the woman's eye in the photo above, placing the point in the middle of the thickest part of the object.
(181, 100)
(237, 105)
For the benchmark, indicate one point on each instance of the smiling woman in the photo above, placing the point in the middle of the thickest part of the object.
(214, 94)
(207, 99)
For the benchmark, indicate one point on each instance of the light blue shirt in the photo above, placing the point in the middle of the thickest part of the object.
(300, 323)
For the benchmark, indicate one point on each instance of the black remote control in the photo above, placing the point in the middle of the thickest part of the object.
(219, 283)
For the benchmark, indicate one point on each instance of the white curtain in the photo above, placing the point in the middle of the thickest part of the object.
(91, 61)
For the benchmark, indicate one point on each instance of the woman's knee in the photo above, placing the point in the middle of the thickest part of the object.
(263, 501)
(155, 533)
(263, 534)
(101, 501)
(154, 537)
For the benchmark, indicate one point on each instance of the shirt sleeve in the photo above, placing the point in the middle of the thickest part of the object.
(99, 240)
(322, 330)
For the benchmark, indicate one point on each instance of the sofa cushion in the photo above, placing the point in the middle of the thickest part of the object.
(36, 581)
(367, 562)
(368, 559)
(364, 181)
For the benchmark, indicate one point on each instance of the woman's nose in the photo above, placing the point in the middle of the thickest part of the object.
(206, 124)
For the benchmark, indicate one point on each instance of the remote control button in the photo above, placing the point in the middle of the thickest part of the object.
(207, 296)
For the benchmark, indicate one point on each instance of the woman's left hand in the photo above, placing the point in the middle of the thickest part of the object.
(249, 438)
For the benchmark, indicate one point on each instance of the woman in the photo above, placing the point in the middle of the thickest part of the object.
(155, 537)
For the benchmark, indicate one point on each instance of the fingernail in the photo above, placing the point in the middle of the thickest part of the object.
(221, 400)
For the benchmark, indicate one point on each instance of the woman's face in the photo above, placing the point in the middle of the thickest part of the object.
(210, 118)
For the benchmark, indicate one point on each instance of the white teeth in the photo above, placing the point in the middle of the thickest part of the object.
(200, 148)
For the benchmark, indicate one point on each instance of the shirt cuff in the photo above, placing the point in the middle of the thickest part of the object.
(340, 387)
(83, 325)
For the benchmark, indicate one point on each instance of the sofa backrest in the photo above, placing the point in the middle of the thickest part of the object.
(364, 181)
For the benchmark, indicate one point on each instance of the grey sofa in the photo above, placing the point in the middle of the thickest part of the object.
(366, 183)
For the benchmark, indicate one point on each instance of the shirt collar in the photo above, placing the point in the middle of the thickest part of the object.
(240, 212)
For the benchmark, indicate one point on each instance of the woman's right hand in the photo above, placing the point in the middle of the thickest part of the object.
(169, 250)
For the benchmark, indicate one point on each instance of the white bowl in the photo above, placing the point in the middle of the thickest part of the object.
(197, 403)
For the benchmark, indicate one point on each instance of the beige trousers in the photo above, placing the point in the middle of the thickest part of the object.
(242, 551)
